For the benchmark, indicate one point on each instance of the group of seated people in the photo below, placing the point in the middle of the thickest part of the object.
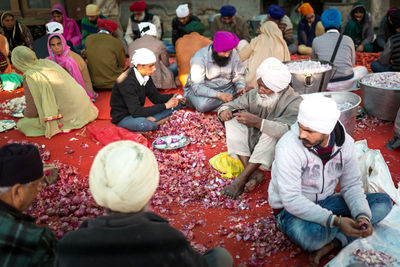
(268, 127)
(314, 153)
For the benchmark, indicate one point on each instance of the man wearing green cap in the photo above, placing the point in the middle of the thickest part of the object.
(22, 242)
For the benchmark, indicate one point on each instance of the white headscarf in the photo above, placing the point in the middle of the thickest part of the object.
(124, 176)
(54, 27)
(182, 11)
(318, 113)
(274, 74)
(147, 28)
(143, 56)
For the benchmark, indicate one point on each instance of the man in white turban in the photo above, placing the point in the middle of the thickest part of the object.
(310, 160)
(129, 94)
(255, 121)
(183, 20)
(122, 179)
(163, 77)
(40, 44)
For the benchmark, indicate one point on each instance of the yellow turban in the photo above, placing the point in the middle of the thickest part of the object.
(305, 9)
(92, 10)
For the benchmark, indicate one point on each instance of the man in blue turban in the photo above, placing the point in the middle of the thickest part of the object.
(345, 76)
(228, 21)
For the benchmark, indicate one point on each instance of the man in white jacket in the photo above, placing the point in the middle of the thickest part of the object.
(310, 160)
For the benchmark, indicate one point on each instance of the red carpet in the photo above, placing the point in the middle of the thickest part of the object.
(208, 233)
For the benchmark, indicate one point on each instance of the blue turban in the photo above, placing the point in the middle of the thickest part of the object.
(331, 18)
(276, 12)
(227, 11)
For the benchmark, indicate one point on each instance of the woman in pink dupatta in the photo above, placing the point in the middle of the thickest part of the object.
(71, 29)
(59, 52)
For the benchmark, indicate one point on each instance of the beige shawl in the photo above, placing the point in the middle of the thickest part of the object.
(269, 43)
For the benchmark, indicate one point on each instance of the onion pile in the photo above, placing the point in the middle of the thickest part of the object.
(266, 239)
(14, 104)
(201, 128)
(63, 206)
(386, 80)
(373, 257)
(187, 179)
(307, 66)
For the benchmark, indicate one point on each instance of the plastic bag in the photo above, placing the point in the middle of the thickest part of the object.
(106, 135)
(375, 174)
(11, 81)
(385, 238)
(230, 167)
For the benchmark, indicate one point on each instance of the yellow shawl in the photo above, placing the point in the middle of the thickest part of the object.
(269, 43)
(62, 104)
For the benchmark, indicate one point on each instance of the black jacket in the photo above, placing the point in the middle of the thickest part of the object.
(128, 97)
(178, 29)
(131, 239)
(40, 47)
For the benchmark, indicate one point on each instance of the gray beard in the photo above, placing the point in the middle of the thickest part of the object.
(268, 101)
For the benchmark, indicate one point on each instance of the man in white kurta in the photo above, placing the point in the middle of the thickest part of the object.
(255, 121)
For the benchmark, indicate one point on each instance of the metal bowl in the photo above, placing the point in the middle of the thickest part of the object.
(311, 82)
(347, 115)
(381, 102)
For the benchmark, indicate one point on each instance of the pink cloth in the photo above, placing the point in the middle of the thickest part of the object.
(71, 29)
(224, 41)
(66, 62)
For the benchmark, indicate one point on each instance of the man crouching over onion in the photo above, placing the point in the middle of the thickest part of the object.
(256, 120)
(310, 160)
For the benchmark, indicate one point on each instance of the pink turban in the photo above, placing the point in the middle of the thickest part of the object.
(224, 41)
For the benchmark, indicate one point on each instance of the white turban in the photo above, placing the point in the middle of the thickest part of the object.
(143, 56)
(182, 11)
(318, 113)
(275, 75)
(54, 27)
(147, 28)
(124, 176)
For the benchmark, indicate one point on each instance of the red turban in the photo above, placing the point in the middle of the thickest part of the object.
(107, 24)
(138, 6)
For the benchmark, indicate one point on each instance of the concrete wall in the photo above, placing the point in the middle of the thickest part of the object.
(377, 8)
(203, 9)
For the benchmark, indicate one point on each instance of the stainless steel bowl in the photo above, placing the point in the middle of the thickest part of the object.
(381, 102)
(348, 115)
(311, 82)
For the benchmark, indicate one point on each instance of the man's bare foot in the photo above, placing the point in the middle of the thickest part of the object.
(163, 120)
(256, 178)
(150, 118)
(316, 256)
(233, 190)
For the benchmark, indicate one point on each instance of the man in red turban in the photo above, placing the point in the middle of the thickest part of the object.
(140, 14)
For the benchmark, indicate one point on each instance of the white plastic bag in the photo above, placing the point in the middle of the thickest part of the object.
(375, 174)
(385, 238)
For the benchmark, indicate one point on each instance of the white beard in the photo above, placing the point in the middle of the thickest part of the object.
(268, 101)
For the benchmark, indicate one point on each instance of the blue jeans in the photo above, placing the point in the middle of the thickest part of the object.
(378, 67)
(312, 236)
(170, 48)
(141, 124)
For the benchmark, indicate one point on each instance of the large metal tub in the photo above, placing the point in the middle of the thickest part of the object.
(311, 82)
(381, 102)
(347, 115)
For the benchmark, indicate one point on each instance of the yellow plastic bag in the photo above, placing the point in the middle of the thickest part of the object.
(230, 167)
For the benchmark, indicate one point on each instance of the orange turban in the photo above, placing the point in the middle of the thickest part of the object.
(305, 9)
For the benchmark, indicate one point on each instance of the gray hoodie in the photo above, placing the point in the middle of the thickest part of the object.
(299, 179)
